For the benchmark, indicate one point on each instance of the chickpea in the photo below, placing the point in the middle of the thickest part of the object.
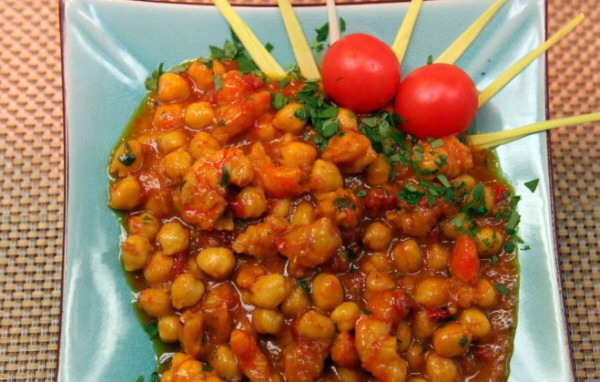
(377, 261)
(299, 154)
(202, 75)
(347, 119)
(199, 115)
(327, 291)
(451, 340)
(345, 315)
(280, 208)
(250, 203)
(304, 214)
(423, 327)
(485, 294)
(489, 241)
(457, 225)
(267, 321)
(176, 164)
(171, 141)
(440, 369)
(226, 364)
(476, 322)
(135, 251)
(168, 329)
(295, 303)
(378, 172)
(269, 291)
(286, 120)
(173, 238)
(408, 256)
(201, 143)
(172, 87)
(315, 326)
(403, 336)
(263, 130)
(377, 236)
(159, 268)
(415, 355)
(127, 158)
(217, 262)
(144, 224)
(378, 281)
(325, 177)
(166, 376)
(168, 117)
(432, 292)
(489, 200)
(437, 256)
(126, 194)
(186, 291)
(466, 180)
(155, 302)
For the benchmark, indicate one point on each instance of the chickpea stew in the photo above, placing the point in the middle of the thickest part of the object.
(274, 236)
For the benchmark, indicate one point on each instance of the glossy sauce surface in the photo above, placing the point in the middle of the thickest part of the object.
(273, 251)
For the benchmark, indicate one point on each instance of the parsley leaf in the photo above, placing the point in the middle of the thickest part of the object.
(342, 25)
(361, 193)
(151, 82)
(429, 59)
(127, 157)
(279, 101)
(151, 330)
(532, 184)
(139, 379)
(303, 284)
(502, 289)
(463, 340)
(218, 82)
(411, 195)
(207, 368)
(494, 260)
(269, 47)
(224, 176)
(154, 377)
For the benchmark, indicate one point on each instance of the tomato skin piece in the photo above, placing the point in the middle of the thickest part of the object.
(464, 260)
(437, 100)
(360, 72)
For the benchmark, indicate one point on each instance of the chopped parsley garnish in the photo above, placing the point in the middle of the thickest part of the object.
(224, 176)
(429, 59)
(509, 246)
(494, 260)
(463, 340)
(234, 50)
(151, 82)
(127, 157)
(502, 289)
(218, 82)
(206, 368)
(269, 47)
(477, 203)
(411, 195)
(322, 116)
(532, 184)
(304, 285)
(513, 221)
(279, 101)
(437, 143)
(151, 330)
(154, 377)
(342, 25)
(366, 312)
(361, 193)
(444, 181)
(139, 379)
(342, 204)
(525, 248)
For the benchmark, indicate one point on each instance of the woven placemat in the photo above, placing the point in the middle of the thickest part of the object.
(31, 210)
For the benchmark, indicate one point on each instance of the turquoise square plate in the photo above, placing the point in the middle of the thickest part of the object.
(110, 47)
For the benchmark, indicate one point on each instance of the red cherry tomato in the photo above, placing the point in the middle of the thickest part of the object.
(360, 72)
(437, 100)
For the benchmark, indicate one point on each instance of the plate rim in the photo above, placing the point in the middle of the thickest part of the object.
(65, 151)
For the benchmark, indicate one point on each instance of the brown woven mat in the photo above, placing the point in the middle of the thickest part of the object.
(32, 199)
